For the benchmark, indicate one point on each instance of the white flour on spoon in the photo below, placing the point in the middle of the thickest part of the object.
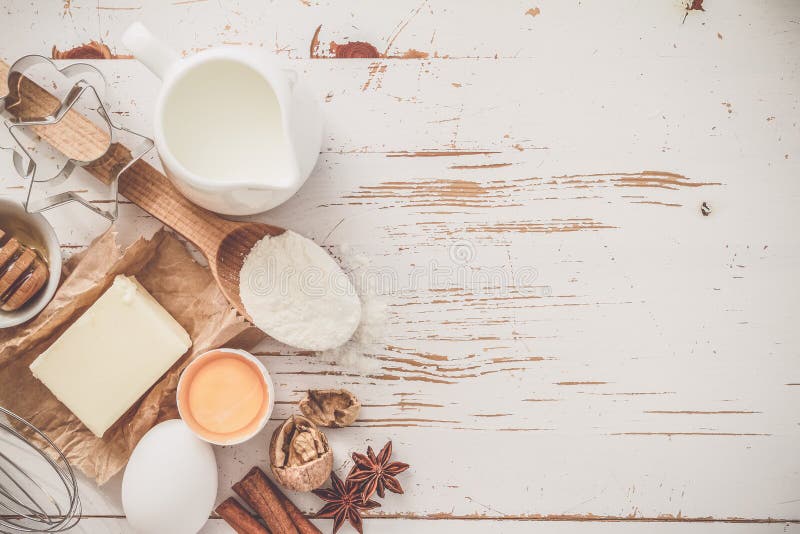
(295, 292)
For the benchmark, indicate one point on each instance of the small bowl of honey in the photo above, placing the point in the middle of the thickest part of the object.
(30, 263)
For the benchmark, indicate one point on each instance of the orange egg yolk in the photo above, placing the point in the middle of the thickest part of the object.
(224, 396)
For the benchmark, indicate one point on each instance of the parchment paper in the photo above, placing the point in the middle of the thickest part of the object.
(185, 289)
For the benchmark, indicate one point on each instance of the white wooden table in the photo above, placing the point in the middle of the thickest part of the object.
(573, 346)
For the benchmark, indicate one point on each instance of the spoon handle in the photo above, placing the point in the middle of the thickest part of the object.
(154, 193)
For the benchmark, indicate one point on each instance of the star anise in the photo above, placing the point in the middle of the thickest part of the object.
(344, 502)
(376, 473)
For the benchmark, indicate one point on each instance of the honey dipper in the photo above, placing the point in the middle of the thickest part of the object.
(22, 273)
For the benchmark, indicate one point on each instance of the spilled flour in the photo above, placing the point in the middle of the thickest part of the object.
(357, 353)
(296, 292)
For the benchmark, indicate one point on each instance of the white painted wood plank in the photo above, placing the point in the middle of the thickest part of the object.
(495, 474)
(391, 526)
(441, 29)
(660, 94)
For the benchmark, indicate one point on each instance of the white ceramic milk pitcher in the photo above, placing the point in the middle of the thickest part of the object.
(235, 132)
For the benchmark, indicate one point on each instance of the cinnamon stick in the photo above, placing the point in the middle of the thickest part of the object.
(238, 518)
(304, 526)
(255, 489)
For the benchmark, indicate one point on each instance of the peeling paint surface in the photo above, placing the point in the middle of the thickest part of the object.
(356, 49)
(90, 50)
(582, 217)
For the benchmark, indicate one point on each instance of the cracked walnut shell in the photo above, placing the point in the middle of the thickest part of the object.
(299, 455)
(330, 407)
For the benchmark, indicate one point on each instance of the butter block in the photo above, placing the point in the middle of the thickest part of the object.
(107, 359)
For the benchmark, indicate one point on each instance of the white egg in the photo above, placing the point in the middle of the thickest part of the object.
(170, 483)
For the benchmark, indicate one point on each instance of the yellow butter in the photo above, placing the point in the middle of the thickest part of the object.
(107, 359)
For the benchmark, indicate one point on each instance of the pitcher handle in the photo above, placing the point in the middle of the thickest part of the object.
(149, 49)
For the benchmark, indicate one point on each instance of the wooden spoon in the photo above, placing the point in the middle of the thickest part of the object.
(224, 243)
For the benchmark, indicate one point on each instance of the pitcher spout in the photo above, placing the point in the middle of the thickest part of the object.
(276, 182)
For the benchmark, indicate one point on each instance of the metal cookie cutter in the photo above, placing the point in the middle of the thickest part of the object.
(25, 108)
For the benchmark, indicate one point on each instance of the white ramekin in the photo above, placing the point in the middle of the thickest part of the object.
(267, 380)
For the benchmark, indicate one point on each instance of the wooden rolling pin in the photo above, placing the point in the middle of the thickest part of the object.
(22, 273)
(224, 243)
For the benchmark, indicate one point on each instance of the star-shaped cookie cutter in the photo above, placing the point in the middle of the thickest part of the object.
(26, 113)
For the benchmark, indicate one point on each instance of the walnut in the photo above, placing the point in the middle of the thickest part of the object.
(330, 407)
(299, 455)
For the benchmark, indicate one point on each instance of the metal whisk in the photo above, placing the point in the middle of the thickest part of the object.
(38, 489)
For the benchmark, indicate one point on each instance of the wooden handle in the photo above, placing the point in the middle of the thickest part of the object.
(77, 136)
(154, 193)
